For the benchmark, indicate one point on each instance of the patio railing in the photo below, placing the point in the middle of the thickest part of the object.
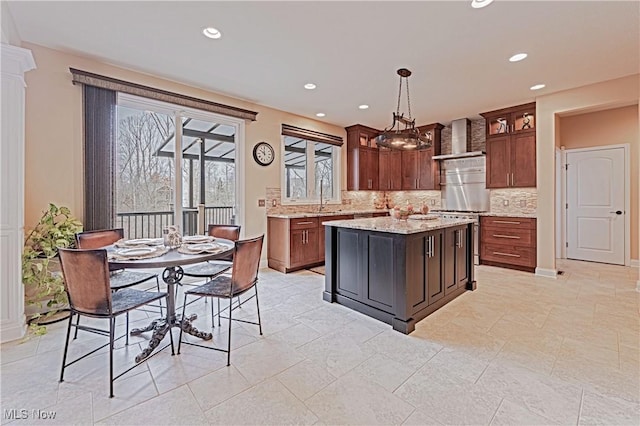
(151, 224)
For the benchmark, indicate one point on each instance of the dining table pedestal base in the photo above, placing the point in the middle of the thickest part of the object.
(161, 327)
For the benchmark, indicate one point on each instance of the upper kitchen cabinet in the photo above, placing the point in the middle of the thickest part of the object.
(389, 169)
(419, 170)
(511, 147)
(362, 158)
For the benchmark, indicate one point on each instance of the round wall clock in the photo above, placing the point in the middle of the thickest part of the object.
(263, 153)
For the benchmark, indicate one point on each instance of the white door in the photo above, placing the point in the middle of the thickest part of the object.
(595, 213)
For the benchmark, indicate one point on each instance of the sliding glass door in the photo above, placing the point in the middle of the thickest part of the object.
(154, 140)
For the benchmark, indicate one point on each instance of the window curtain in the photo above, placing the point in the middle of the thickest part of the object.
(99, 157)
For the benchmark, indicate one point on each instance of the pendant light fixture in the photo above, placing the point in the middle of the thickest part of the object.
(403, 134)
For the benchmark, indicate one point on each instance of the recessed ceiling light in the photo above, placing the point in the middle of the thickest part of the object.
(538, 87)
(363, 106)
(211, 32)
(517, 57)
(320, 114)
(309, 86)
(479, 4)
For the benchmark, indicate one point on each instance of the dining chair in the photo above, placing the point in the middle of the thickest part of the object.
(88, 287)
(120, 278)
(244, 277)
(213, 268)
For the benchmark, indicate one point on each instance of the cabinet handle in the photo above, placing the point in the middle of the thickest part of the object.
(515, 237)
(512, 180)
(430, 246)
(497, 253)
(306, 237)
(304, 223)
(508, 179)
(508, 222)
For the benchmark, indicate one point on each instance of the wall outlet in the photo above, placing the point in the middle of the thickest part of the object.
(505, 203)
(274, 203)
(261, 202)
(433, 202)
(523, 203)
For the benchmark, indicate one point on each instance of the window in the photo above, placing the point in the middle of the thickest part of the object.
(311, 167)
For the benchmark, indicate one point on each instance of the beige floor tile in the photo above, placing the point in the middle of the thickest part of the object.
(218, 386)
(420, 418)
(176, 407)
(336, 353)
(305, 379)
(384, 371)
(510, 413)
(448, 398)
(356, 401)
(544, 395)
(267, 403)
(504, 337)
(263, 359)
(598, 378)
(407, 350)
(600, 410)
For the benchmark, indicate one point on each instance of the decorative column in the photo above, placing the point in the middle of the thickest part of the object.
(15, 62)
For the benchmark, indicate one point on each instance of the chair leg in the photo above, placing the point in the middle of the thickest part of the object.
(112, 324)
(66, 347)
(258, 306)
(184, 306)
(229, 344)
(173, 352)
(218, 312)
(213, 324)
(159, 301)
(127, 336)
(75, 335)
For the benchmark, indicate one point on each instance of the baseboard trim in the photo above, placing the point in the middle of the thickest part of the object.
(12, 331)
(264, 263)
(634, 263)
(547, 273)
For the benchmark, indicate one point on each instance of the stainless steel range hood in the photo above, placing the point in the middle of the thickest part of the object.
(460, 141)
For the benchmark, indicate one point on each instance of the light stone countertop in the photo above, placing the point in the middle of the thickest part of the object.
(299, 215)
(394, 226)
(524, 215)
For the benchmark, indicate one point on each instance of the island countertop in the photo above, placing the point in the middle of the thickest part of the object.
(394, 226)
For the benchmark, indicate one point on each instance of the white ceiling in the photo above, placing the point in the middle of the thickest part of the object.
(351, 50)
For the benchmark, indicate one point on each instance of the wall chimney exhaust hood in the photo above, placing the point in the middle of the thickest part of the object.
(460, 141)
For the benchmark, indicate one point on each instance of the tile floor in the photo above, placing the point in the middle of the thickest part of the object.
(519, 350)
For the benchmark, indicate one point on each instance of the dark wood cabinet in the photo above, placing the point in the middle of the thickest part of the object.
(370, 168)
(511, 147)
(397, 278)
(321, 231)
(508, 242)
(456, 258)
(362, 158)
(389, 170)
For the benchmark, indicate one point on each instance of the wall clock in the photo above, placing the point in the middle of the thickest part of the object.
(263, 153)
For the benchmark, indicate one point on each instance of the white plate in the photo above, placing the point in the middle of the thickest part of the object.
(138, 251)
(140, 242)
(202, 247)
(197, 239)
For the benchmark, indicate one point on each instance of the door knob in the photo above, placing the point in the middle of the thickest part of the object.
(617, 212)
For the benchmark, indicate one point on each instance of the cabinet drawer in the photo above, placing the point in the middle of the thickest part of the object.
(304, 223)
(508, 222)
(510, 254)
(508, 235)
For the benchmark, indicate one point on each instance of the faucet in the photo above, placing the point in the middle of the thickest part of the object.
(321, 184)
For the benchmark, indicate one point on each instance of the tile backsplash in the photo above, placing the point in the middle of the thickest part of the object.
(514, 200)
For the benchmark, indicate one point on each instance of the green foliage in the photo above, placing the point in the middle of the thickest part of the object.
(56, 228)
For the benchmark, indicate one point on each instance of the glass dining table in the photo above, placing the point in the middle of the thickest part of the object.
(172, 262)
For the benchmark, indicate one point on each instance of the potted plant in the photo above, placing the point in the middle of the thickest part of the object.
(44, 287)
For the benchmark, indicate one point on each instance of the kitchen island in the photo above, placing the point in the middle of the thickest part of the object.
(398, 271)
